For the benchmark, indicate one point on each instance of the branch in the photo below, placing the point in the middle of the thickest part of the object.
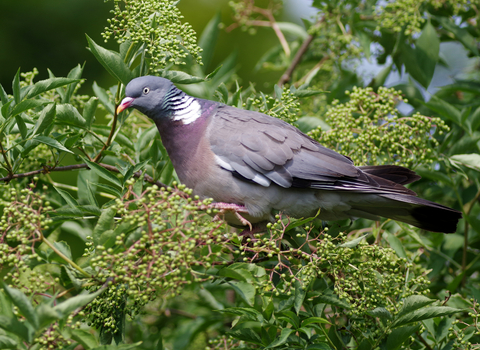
(46, 170)
(296, 60)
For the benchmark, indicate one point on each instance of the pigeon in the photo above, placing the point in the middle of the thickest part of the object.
(255, 165)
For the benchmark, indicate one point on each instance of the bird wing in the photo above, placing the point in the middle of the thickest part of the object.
(262, 149)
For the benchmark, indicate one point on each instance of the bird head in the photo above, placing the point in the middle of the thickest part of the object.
(146, 94)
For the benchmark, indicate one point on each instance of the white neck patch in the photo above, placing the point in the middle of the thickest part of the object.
(188, 110)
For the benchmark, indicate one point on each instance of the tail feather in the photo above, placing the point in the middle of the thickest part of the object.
(395, 173)
(415, 211)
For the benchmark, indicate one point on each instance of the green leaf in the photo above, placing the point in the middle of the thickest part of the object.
(314, 320)
(282, 339)
(300, 295)
(381, 313)
(16, 87)
(292, 29)
(461, 34)
(89, 111)
(443, 108)
(291, 318)
(118, 347)
(354, 242)
(21, 126)
(85, 338)
(67, 114)
(105, 222)
(246, 312)
(412, 303)
(396, 245)
(102, 172)
(102, 95)
(91, 193)
(8, 343)
(26, 105)
(399, 336)
(245, 290)
(67, 197)
(48, 84)
(46, 314)
(109, 189)
(11, 324)
(112, 61)
(320, 346)
(47, 116)
(307, 93)
(64, 248)
(71, 304)
(3, 95)
(425, 313)
(178, 77)
(51, 142)
(76, 74)
(23, 304)
(420, 62)
(332, 299)
(471, 161)
(246, 334)
(208, 39)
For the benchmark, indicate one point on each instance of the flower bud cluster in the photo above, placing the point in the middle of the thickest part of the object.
(157, 25)
(369, 129)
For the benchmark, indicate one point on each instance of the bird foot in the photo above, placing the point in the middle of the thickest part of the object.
(235, 209)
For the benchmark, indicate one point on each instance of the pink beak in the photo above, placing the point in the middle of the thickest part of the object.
(126, 102)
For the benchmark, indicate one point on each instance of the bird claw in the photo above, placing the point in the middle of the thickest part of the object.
(235, 208)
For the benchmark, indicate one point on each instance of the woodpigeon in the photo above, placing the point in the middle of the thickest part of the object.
(256, 164)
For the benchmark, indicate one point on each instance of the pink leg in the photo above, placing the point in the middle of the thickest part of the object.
(236, 209)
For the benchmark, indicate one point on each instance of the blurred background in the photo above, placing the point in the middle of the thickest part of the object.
(51, 34)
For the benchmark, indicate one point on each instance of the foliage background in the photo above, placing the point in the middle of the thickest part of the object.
(100, 257)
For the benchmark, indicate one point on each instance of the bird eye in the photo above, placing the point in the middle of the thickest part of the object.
(146, 90)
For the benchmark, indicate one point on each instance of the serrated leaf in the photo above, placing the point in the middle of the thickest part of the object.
(46, 118)
(51, 142)
(21, 126)
(85, 338)
(64, 248)
(424, 314)
(471, 161)
(46, 314)
(89, 111)
(179, 77)
(118, 347)
(381, 313)
(102, 172)
(23, 304)
(245, 290)
(354, 242)
(399, 336)
(67, 197)
(16, 87)
(76, 74)
(11, 324)
(26, 105)
(103, 97)
(112, 61)
(105, 222)
(412, 303)
(300, 295)
(68, 114)
(445, 109)
(8, 343)
(462, 34)
(71, 304)
(291, 318)
(396, 245)
(208, 39)
(246, 334)
(282, 338)
(3, 95)
(48, 84)
(246, 312)
(314, 320)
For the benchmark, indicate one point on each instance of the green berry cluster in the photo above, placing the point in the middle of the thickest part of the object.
(408, 15)
(285, 106)
(369, 129)
(225, 342)
(162, 242)
(157, 25)
(24, 217)
(52, 339)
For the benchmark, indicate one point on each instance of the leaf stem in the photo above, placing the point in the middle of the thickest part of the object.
(7, 163)
(63, 256)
